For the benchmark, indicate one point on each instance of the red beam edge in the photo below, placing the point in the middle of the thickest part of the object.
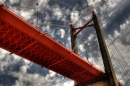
(1, 5)
(32, 31)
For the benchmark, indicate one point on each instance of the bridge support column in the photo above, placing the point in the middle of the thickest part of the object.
(73, 40)
(109, 70)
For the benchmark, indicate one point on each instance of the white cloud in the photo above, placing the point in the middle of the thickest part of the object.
(43, 4)
(29, 3)
(26, 14)
(90, 37)
(23, 69)
(116, 33)
(81, 47)
(14, 1)
(57, 12)
(26, 79)
(71, 83)
(93, 2)
(62, 32)
(3, 53)
(6, 60)
(74, 16)
(125, 24)
(111, 3)
(51, 73)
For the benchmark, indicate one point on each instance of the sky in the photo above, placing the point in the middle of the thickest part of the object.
(114, 17)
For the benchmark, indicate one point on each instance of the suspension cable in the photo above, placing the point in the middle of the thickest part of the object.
(112, 51)
(93, 56)
(119, 57)
(122, 60)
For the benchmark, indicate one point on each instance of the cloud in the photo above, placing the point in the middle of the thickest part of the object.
(71, 83)
(62, 33)
(74, 16)
(93, 2)
(57, 12)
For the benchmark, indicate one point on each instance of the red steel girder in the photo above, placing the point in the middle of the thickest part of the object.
(27, 42)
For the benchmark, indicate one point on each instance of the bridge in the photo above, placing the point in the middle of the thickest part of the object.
(21, 38)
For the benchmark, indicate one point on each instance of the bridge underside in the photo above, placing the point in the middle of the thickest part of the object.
(21, 38)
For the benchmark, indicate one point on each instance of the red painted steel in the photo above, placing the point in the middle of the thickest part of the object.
(81, 28)
(21, 38)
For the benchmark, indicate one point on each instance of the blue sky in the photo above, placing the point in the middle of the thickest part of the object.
(114, 17)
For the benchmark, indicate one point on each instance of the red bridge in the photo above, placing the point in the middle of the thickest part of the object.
(21, 38)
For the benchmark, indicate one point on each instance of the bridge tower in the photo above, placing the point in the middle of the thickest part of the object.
(110, 79)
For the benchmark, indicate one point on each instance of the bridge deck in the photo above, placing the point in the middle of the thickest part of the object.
(21, 38)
